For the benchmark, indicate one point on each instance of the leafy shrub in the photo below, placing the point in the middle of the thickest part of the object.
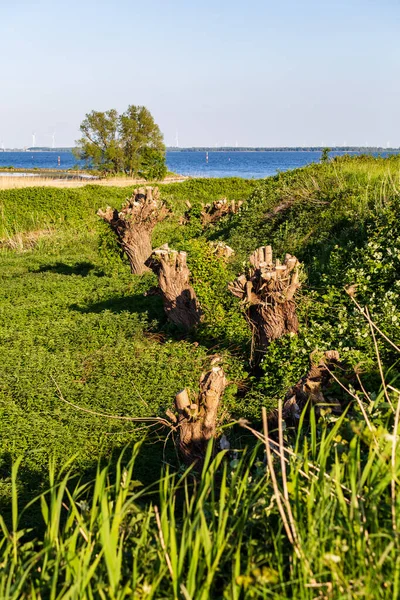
(210, 278)
(112, 257)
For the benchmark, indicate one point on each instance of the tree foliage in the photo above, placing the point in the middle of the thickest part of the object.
(131, 143)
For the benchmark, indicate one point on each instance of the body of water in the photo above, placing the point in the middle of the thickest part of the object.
(252, 165)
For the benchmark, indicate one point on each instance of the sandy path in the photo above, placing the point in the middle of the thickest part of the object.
(15, 182)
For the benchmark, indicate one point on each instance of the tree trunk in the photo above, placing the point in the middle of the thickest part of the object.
(267, 291)
(180, 302)
(134, 224)
(197, 421)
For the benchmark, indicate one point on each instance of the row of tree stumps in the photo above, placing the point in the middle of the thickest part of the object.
(266, 290)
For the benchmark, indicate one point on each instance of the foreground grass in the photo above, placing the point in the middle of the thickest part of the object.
(327, 527)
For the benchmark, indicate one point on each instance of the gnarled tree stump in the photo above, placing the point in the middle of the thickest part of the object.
(212, 212)
(197, 421)
(179, 298)
(222, 250)
(267, 291)
(219, 208)
(314, 386)
(313, 389)
(134, 224)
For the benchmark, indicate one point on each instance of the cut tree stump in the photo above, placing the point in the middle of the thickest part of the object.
(222, 250)
(197, 421)
(179, 298)
(212, 212)
(134, 224)
(219, 208)
(313, 389)
(314, 386)
(267, 291)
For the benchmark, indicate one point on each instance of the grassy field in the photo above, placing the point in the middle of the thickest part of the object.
(76, 327)
(74, 319)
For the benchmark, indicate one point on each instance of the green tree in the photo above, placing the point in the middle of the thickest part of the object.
(142, 143)
(325, 155)
(99, 143)
(130, 143)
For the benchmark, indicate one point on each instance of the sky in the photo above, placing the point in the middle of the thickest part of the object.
(212, 72)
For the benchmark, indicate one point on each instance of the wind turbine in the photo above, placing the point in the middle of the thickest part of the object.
(53, 140)
(33, 140)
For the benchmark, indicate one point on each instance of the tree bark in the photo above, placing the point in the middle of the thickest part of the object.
(197, 421)
(134, 224)
(219, 208)
(179, 298)
(222, 250)
(267, 291)
(313, 389)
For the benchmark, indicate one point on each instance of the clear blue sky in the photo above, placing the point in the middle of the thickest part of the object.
(254, 72)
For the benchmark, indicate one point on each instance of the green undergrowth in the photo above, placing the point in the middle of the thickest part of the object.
(35, 208)
(224, 535)
(75, 322)
(81, 341)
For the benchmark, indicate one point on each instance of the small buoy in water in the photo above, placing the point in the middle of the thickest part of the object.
(206, 157)
(59, 160)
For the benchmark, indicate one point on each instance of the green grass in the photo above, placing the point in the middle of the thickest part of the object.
(69, 319)
(30, 209)
(75, 325)
(221, 536)
(68, 326)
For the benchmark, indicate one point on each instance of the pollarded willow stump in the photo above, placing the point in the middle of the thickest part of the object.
(197, 421)
(222, 250)
(267, 291)
(134, 224)
(219, 208)
(313, 390)
(179, 298)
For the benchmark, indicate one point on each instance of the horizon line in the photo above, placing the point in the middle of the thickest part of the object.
(213, 148)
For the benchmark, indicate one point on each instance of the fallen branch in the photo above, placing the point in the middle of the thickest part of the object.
(108, 416)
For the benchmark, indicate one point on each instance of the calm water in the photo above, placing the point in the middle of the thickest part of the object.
(254, 165)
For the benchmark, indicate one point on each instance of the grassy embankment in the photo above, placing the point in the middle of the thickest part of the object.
(74, 320)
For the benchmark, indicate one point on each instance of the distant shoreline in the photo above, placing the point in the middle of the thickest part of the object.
(287, 149)
(233, 149)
